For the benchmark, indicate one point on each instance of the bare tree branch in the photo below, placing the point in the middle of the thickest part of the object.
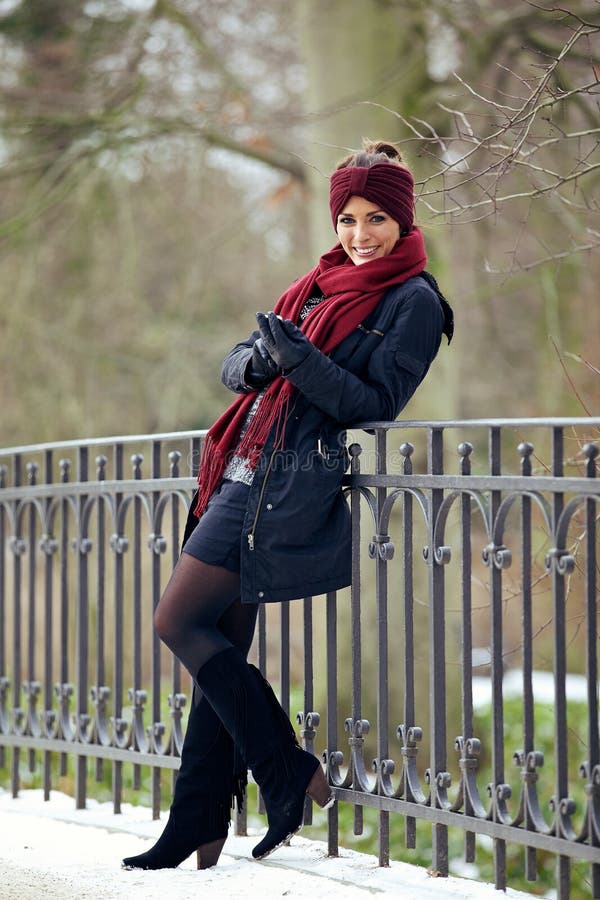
(478, 167)
(552, 257)
(167, 10)
(569, 379)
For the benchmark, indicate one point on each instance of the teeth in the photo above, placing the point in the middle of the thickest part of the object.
(365, 251)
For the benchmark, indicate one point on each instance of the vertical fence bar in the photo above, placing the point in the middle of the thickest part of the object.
(381, 593)
(176, 699)
(497, 787)
(262, 665)
(307, 613)
(136, 562)
(261, 639)
(406, 450)
(563, 863)
(526, 449)
(18, 547)
(308, 703)
(63, 686)
(156, 650)
(284, 657)
(332, 714)
(195, 454)
(176, 539)
(438, 778)
(591, 584)
(50, 547)
(355, 613)
(464, 450)
(118, 549)
(82, 629)
(32, 686)
(101, 462)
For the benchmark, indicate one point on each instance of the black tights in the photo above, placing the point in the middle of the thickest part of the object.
(200, 613)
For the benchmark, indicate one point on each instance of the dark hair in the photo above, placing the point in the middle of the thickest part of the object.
(372, 153)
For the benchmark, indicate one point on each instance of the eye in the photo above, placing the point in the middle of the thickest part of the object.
(377, 218)
(345, 220)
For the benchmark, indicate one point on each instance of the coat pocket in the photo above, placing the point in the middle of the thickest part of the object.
(299, 501)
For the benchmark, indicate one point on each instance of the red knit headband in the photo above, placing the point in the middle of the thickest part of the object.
(388, 185)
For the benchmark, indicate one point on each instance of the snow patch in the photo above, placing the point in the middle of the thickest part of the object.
(55, 850)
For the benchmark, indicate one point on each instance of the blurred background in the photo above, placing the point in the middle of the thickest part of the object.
(164, 174)
(164, 166)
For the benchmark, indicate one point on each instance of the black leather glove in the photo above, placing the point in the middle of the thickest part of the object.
(285, 343)
(261, 369)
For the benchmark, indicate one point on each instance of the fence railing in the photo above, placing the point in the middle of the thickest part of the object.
(469, 567)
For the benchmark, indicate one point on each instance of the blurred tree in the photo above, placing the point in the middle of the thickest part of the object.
(127, 122)
(496, 107)
(119, 221)
(363, 60)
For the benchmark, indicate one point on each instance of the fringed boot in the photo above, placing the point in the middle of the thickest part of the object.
(263, 734)
(209, 779)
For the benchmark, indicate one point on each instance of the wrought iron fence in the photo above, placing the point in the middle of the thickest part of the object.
(468, 567)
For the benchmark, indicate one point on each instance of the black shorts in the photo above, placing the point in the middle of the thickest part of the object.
(217, 537)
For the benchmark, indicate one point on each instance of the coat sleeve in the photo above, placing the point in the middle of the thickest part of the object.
(392, 374)
(233, 372)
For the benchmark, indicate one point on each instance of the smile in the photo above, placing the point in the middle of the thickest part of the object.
(365, 251)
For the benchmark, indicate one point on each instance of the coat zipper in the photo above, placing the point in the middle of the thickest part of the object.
(260, 500)
(264, 485)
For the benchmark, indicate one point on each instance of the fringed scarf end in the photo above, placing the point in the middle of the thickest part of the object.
(211, 469)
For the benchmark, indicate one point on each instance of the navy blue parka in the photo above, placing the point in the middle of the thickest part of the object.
(296, 538)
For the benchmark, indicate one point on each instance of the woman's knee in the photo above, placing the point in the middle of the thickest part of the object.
(170, 615)
(170, 626)
(197, 596)
(163, 624)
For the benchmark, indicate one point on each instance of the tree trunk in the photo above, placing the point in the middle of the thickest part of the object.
(357, 55)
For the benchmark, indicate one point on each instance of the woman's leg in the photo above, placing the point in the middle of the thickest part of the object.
(238, 623)
(188, 620)
(193, 616)
(211, 774)
(264, 736)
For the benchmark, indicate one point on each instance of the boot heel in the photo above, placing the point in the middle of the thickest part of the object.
(208, 854)
(319, 790)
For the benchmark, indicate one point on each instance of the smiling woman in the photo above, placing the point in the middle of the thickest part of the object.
(365, 231)
(349, 342)
(379, 179)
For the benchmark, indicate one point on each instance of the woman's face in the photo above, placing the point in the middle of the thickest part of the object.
(365, 231)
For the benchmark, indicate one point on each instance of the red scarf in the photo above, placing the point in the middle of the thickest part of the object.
(351, 292)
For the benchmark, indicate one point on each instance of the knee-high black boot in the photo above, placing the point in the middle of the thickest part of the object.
(204, 790)
(265, 738)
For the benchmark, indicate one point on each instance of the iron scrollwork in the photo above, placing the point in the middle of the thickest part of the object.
(125, 529)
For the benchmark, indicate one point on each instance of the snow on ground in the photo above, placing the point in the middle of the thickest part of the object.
(544, 690)
(54, 851)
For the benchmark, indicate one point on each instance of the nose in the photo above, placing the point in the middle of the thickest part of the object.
(361, 231)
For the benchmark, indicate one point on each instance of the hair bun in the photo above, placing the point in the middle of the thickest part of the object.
(373, 153)
(382, 148)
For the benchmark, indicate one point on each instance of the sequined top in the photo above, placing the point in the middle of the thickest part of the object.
(238, 468)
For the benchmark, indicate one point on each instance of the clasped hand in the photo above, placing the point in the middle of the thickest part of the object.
(285, 343)
(262, 368)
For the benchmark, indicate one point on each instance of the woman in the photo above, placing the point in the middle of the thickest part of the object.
(348, 342)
